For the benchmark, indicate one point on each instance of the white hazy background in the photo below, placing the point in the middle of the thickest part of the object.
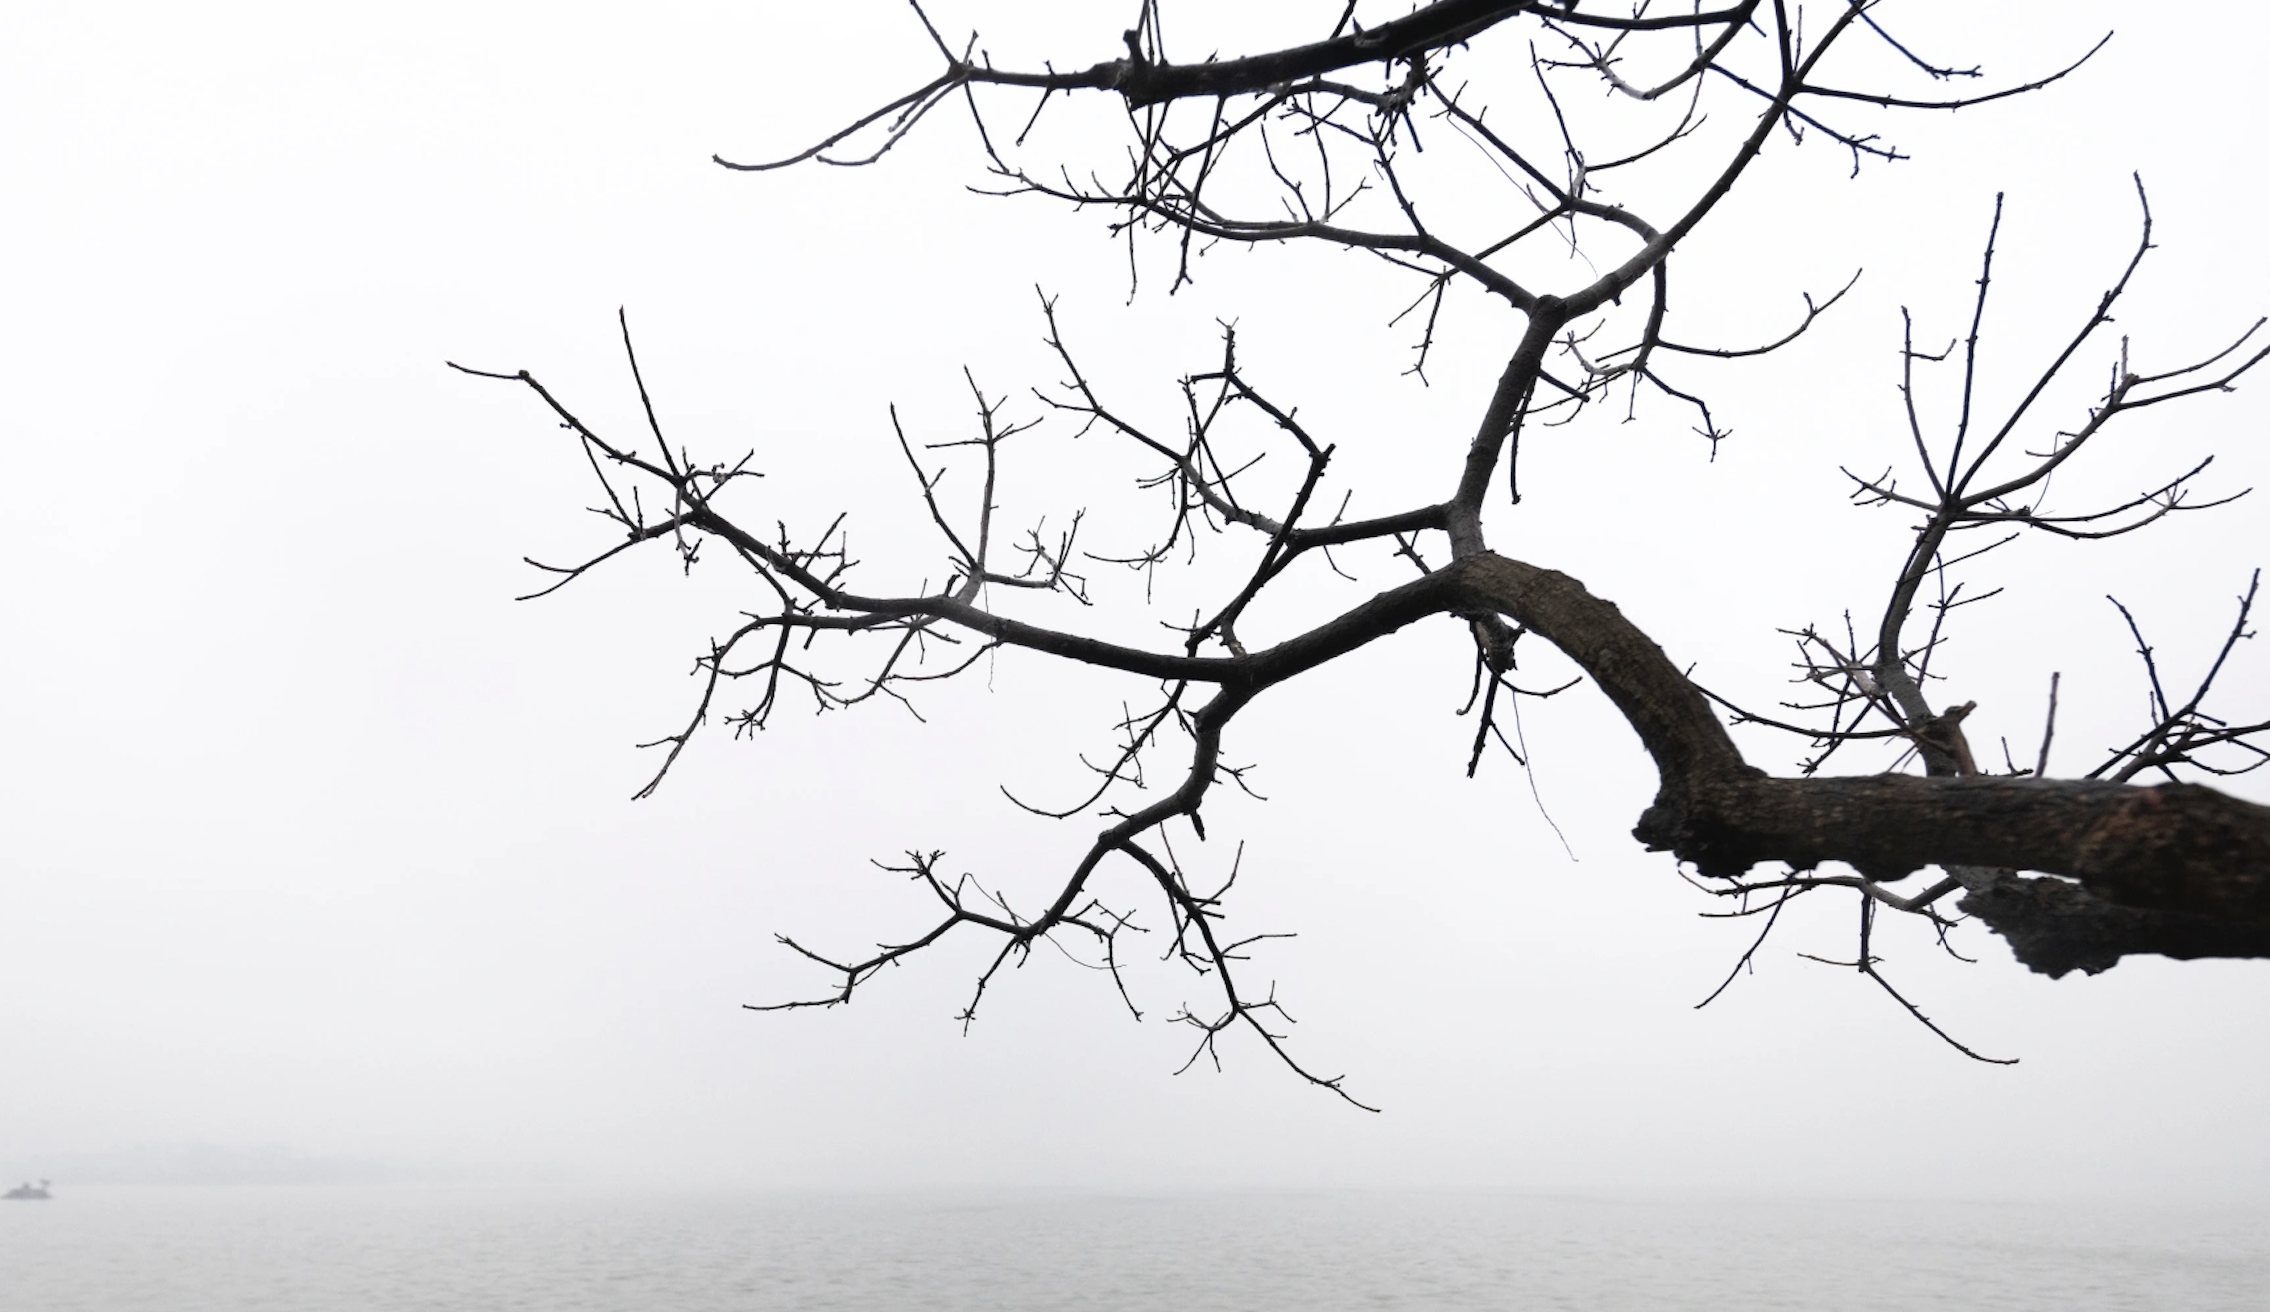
(310, 836)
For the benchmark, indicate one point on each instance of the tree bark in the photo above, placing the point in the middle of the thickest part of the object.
(2177, 869)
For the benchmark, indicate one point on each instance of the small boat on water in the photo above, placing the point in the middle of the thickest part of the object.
(28, 1190)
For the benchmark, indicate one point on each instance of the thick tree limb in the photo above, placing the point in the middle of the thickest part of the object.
(2173, 847)
(2178, 869)
(1144, 82)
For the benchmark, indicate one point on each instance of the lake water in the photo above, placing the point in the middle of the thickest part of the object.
(378, 1249)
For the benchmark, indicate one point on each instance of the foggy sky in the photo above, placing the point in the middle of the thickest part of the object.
(314, 837)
